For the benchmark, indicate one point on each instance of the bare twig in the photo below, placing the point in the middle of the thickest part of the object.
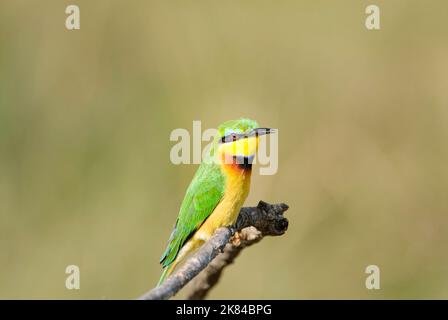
(252, 225)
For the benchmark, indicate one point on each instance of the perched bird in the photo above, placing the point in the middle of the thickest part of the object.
(217, 192)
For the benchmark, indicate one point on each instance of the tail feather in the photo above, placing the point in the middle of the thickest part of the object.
(186, 249)
(166, 272)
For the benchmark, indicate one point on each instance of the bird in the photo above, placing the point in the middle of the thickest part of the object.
(217, 191)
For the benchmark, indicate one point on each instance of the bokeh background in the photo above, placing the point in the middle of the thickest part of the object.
(85, 119)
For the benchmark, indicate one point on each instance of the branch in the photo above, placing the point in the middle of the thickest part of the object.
(252, 225)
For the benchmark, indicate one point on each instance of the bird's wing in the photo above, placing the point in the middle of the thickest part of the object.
(202, 196)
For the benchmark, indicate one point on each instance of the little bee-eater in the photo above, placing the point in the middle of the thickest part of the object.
(217, 192)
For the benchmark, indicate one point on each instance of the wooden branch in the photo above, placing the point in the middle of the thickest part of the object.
(252, 225)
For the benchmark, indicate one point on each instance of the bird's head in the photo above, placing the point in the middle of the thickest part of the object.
(237, 140)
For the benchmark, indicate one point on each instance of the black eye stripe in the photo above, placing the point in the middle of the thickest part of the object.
(231, 137)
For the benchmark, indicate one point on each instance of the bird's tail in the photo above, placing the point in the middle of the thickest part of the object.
(166, 272)
(186, 249)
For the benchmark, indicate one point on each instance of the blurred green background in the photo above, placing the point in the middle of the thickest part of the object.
(85, 119)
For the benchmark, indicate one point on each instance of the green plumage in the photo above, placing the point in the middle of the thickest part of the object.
(203, 194)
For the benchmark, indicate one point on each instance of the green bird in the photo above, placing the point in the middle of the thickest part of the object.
(217, 192)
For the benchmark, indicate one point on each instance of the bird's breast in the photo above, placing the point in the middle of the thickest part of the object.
(236, 190)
